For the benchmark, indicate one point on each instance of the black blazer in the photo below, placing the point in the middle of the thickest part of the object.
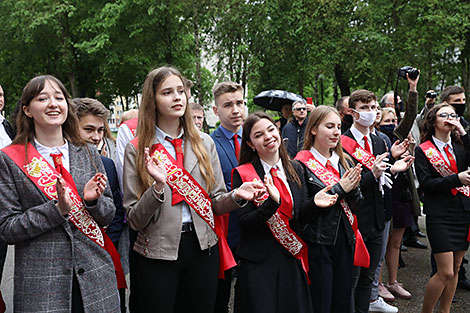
(256, 240)
(322, 224)
(437, 189)
(370, 215)
(116, 227)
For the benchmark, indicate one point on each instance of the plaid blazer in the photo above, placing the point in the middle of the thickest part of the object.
(48, 248)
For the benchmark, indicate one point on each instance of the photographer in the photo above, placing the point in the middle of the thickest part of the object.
(430, 100)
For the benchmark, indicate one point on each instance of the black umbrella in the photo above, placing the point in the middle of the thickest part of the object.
(275, 99)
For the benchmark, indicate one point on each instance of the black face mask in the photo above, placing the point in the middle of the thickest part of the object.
(348, 120)
(459, 108)
(387, 129)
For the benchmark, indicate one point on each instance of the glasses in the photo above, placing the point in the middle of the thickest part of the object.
(301, 109)
(448, 115)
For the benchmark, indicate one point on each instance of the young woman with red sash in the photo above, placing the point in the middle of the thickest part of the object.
(55, 199)
(330, 232)
(273, 268)
(442, 162)
(173, 187)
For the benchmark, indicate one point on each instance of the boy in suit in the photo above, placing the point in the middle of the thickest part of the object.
(230, 108)
(376, 173)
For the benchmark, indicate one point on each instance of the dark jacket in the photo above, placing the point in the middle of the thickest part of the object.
(437, 189)
(8, 129)
(257, 241)
(116, 227)
(370, 215)
(295, 133)
(323, 224)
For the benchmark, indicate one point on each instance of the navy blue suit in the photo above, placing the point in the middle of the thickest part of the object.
(228, 161)
(114, 230)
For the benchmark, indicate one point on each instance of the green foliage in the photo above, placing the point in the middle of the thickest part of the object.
(316, 48)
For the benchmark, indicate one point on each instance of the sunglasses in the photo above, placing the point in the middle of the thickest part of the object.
(300, 109)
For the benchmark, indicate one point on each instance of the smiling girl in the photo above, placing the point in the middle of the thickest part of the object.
(330, 230)
(173, 186)
(54, 201)
(273, 259)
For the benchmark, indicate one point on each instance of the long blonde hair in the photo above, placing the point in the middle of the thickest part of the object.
(317, 115)
(148, 118)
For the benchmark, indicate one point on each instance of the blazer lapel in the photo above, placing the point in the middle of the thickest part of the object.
(190, 159)
(225, 144)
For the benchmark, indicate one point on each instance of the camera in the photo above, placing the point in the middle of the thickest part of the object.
(412, 72)
(431, 94)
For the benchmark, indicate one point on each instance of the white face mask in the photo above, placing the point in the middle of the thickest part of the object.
(366, 119)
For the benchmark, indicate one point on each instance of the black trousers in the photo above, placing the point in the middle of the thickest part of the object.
(3, 256)
(330, 273)
(188, 284)
(224, 288)
(364, 277)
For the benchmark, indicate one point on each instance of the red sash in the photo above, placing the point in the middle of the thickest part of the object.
(361, 255)
(44, 176)
(356, 151)
(197, 198)
(132, 124)
(278, 223)
(440, 165)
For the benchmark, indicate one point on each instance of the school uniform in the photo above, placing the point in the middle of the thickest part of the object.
(330, 238)
(57, 267)
(175, 256)
(371, 220)
(447, 215)
(270, 279)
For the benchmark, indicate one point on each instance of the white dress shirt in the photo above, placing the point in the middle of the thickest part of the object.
(441, 144)
(280, 173)
(161, 137)
(45, 152)
(359, 137)
(5, 140)
(334, 158)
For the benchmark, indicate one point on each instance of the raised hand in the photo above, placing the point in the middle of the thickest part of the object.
(351, 178)
(249, 191)
(272, 190)
(398, 148)
(380, 165)
(323, 200)
(458, 126)
(94, 188)
(402, 164)
(64, 204)
(156, 169)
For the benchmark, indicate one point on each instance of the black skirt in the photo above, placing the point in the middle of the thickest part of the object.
(445, 237)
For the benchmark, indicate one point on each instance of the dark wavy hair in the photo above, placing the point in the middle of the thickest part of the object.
(25, 125)
(429, 122)
(248, 155)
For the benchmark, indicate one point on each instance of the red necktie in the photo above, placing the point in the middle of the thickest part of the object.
(330, 168)
(286, 200)
(236, 144)
(453, 164)
(57, 158)
(178, 144)
(366, 145)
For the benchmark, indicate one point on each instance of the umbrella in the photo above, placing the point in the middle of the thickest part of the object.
(275, 99)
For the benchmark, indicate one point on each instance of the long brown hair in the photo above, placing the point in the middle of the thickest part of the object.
(317, 115)
(428, 125)
(25, 125)
(248, 155)
(148, 118)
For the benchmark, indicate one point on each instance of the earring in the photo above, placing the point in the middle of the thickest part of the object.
(254, 150)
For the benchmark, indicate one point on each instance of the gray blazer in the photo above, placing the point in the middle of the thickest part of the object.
(158, 223)
(49, 249)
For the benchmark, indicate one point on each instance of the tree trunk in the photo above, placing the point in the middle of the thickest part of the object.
(342, 80)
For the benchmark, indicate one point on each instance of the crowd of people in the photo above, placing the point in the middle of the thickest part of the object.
(293, 215)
